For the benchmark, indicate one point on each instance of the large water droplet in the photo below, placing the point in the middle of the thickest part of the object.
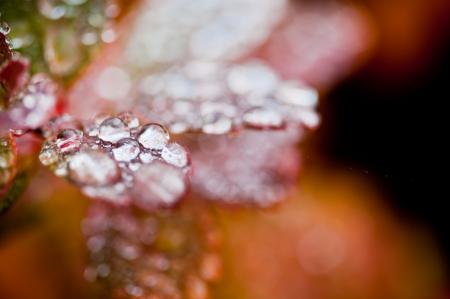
(69, 140)
(153, 136)
(113, 129)
(158, 184)
(93, 168)
(217, 124)
(175, 154)
(126, 150)
(116, 193)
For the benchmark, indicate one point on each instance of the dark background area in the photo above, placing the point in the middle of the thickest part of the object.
(389, 122)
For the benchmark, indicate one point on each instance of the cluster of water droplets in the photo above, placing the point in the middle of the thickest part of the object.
(170, 31)
(35, 104)
(165, 255)
(8, 159)
(217, 98)
(117, 159)
(28, 103)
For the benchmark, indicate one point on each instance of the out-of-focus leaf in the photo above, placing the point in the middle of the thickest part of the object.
(13, 76)
(59, 37)
(13, 193)
(8, 159)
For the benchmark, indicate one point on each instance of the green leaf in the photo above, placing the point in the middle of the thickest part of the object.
(15, 190)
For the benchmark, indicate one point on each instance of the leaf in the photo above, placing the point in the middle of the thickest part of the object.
(14, 191)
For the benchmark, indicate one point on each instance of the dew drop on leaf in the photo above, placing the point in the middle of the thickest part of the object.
(216, 124)
(292, 93)
(113, 129)
(263, 118)
(8, 159)
(94, 168)
(69, 140)
(153, 136)
(127, 149)
(4, 28)
(175, 154)
(158, 184)
(146, 157)
(48, 154)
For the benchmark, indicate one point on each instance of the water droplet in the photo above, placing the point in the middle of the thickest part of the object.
(211, 267)
(69, 140)
(263, 118)
(48, 154)
(96, 243)
(134, 291)
(196, 288)
(146, 157)
(308, 118)
(158, 261)
(4, 28)
(113, 129)
(127, 249)
(112, 193)
(108, 35)
(134, 166)
(8, 158)
(153, 136)
(103, 270)
(158, 184)
(175, 154)
(93, 168)
(112, 10)
(126, 150)
(217, 124)
(51, 10)
(61, 169)
(89, 38)
(292, 93)
(179, 128)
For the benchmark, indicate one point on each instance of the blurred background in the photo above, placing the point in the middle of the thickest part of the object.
(386, 118)
(367, 217)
